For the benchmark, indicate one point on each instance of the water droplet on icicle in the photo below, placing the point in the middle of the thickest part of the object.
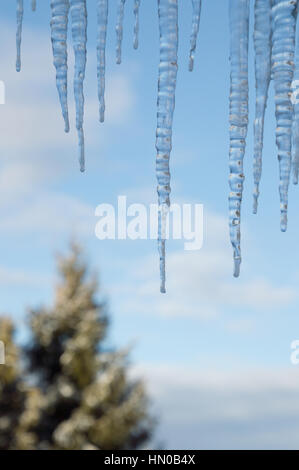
(79, 34)
(283, 48)
(59, 24)
(101, 53)
(168, 25)
(33, 5)
(238, 117)
(194, 32)
(20, 14)
(262, 46)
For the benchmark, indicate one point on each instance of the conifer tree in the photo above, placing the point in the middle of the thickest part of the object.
(88, 400)
(19, 403)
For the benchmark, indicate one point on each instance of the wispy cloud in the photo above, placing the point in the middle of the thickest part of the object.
(51, 213)
(18, 277)
(200, 283)
(216, 409)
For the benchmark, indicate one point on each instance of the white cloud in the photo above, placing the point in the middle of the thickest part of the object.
(240, 409)
(13, 277)
(51, 214)
(200, 283)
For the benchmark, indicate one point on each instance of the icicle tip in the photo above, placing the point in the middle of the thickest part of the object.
(255, 199)
(284, 221)
(237, 264)
(161, 246)
(191, 64)
(81, 150)
(66, 124)
(162, 288)
(82, 163)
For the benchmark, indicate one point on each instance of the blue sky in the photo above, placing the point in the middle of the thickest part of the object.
(215, 351)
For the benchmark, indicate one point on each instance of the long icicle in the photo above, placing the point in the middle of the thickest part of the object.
(20, 14)
(239, 32)
(59, 24)
(119, 29)
(295, 96)
(262, 46)
(33, 5)
(79, 34)
(283, 46)
(194, 32)
(101, 53)
(136, 24)
(168, 25)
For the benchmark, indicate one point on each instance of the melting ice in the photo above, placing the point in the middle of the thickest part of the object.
(79, 34)
(196, 4)
(238, 117)
(168, 24)
(274, 44)
(59, 24)
(262, 46)
(102, 18)
(119, 29)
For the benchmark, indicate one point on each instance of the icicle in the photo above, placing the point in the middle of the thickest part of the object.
(168, 24)
(195, 27)
(101, 53)
(239, 31)
(79, 27)
(20, 13)
(262, 46)
(283, 45)
(136, 25)
(119, 29)
(59, 24)
(33, 5)
(295, 96)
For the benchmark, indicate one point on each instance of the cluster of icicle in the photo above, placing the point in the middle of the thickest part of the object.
(274, 43)
(76, 10)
